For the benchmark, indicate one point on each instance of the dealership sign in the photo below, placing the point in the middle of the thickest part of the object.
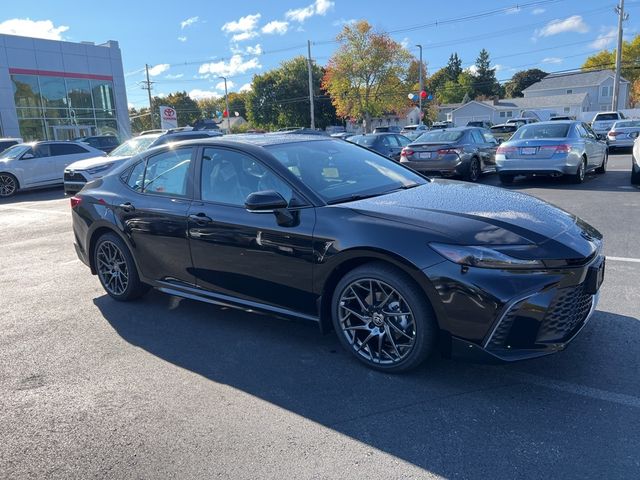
(168, 118)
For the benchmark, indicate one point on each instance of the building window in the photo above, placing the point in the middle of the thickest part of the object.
(569, 91)
(607, 91)
(503, 114)
(509, 114)
(567, 109)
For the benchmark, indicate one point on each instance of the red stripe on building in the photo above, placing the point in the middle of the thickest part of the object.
(48, 73)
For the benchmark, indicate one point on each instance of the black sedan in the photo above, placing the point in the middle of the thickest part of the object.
(388, 144)
(328, 231)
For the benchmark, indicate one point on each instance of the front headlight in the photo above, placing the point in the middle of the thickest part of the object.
(99, 169)
(485, 257)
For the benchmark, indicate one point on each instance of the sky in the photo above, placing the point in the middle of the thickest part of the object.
(190, 45)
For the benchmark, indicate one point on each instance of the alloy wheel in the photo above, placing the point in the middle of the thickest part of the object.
(7, 185)
(474, 170)
(581, 171)
(112, 268)
(376, 321)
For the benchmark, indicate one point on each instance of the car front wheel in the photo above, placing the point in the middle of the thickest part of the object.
(8, 185)
(635, 175)
(383, 318)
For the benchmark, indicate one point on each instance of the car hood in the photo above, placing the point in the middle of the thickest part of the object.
(471, 214)
(94, 162)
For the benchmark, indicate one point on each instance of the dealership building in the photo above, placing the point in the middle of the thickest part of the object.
(53, 90)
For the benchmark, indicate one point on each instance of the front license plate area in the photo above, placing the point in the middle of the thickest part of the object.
(595, 277)
(529, 150)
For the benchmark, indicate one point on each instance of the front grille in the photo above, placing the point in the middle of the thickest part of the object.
(568, 310)
(75, 177)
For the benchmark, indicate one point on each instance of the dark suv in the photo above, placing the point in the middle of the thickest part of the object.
(106, 143)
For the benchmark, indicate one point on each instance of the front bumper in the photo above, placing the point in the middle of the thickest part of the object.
(517, 314)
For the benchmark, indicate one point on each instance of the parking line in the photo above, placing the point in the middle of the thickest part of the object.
(624, 259)
(35, 210)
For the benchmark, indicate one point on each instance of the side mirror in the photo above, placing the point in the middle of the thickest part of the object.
(634, 134)
(27, 156)
(500, 140)
(267, 200)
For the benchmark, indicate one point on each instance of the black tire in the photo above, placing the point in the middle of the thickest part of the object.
(603, 168)
(635, 176)
(474, 170)
(417, 324)
(506, 179)
(125, 266)
(8, 185)
(580, 174)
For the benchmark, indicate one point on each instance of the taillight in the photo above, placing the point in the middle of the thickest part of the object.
(406, 152)
(615, 134)
(448, 151)
(75, 201)
(557, 148)
(502, 150)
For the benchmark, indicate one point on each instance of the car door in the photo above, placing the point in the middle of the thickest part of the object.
(490, 147)
(403, 142)
(37, 166)
(394, 147)
(597, 148)
(479, 144)
(265, 258)
(153, 214)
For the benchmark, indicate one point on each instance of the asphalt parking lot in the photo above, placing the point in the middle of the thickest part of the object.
(170, 388)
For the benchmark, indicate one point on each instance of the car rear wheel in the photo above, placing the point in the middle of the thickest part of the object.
(383, 319)
(473, 170)
(8, 185)
(635, 176)
(506, 179)
(603, 168)
(578, 177)
(116, 269)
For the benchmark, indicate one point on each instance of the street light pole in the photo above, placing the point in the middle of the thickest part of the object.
(420, 81)
(226, 101)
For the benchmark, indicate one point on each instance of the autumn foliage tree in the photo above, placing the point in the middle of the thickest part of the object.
(367, 75)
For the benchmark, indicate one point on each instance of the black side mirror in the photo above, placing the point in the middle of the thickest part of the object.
(267, 200)
(500, 140)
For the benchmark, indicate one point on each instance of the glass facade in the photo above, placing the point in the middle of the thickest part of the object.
(59, 108)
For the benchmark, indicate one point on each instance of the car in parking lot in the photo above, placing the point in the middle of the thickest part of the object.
(622, 134)
(554, 148)
(465, 152)
(326, 231)
(387, 129)
(519, 121)
(635, 161)
(603, 121)
(9, 142)
(106, 143)
(504, 131)
(480, 123)
(388, 144)
(39, 164)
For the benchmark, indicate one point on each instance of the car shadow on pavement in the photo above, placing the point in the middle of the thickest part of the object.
(39, 195)
(451, 418)
(612, 181)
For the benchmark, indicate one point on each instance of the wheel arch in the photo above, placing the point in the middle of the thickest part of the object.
(14, 175)
(96, 234)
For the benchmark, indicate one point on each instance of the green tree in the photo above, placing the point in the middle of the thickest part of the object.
(456, 91)
(140, 120)
(454, 66)
(435, 84)
(367, 75)
(413, 76)
(186, 108)
(521, 80)
(485, 83)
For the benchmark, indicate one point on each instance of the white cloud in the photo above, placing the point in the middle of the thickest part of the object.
(25, 27)
(606, 38)
(319, 7)
(500, 68)
(130, 105)
(341, 22)
(245, 88)
(276, 26)
(198, 94)
(552, 60)
(240, 37)
(537, 11)
(158, 69)
(574, 23)
(174, 77)
(235, 66)
(472, 69)
(182, 38)
(243, 24)
(188, 22)
(405, 42)
(220, 85)
(257, 50)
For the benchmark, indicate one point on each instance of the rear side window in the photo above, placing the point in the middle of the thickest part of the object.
(108, 141)
(5, 145)
(66, 149)
(164, 174)
(606, 117)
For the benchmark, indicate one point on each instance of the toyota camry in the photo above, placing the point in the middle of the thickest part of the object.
(309, 227)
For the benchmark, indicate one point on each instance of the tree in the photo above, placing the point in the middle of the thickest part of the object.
(521, 80)
(366, 76)
(454, 66)
(140, 119)
(456, 91)
(280, 97)
(435, 84)
(186, 108)
(413, 76)
(607, 59)
(485, 82)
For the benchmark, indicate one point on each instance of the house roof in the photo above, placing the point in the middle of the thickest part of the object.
(572, 80)
(531, 102)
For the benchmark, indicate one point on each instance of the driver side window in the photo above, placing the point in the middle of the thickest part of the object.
(229, 177)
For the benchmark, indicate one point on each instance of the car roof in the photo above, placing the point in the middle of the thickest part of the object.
(556, 122)
(261, 140)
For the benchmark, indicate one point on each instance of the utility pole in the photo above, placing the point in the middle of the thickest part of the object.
(147, 86)
(226, 101)
(310, 68)
(420, 81)
(616, 83)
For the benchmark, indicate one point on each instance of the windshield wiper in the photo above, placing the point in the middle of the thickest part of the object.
(353, 198)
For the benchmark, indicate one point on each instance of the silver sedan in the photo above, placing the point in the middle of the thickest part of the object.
(552, 148)
(622, 133)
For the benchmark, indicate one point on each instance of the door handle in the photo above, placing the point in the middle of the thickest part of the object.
(127, 207)
(200, 219)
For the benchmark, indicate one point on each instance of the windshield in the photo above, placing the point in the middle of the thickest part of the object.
(606, 116)
(15, 151)
(339, 171)
(628, 123)
(133, 146)
(441, 136)
(503, 129)
(545, 130)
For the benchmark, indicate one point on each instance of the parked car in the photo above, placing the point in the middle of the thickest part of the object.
(39, 164)
(603, 121)
(79, 173)
(552, 148)
(480, 124)
(319, 229)
(562, 117)
(621, 134)
(635, 161)
(300, 131)
(106, 143)
(387, 129)
(419, 128)
(519, 121)
(413, 135)
(342, 135)
(465, 152)
(388, 144)
(9, 142)
(503, 132)
(440, 125)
